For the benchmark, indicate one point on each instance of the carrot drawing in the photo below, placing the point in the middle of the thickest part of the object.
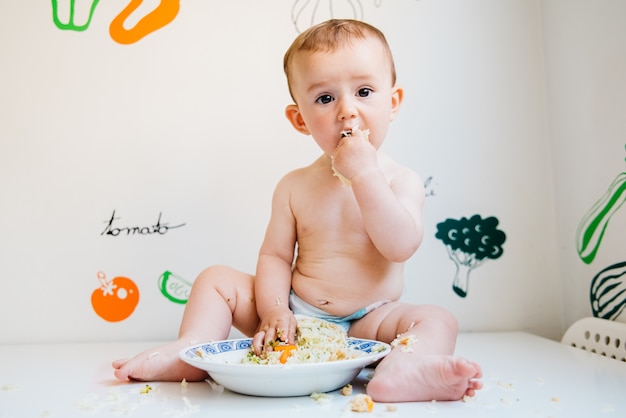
(165, 12)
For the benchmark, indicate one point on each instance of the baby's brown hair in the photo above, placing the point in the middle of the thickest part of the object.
(330, 35)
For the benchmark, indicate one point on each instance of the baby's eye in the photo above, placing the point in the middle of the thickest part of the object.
(324, 99)
(364, 92)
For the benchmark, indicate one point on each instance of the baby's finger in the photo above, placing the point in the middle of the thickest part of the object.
(258, 342)
(270, 335)
(291, 334)
(287, 330)
(282, 331)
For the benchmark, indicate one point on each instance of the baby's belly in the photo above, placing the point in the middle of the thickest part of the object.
(342, 296)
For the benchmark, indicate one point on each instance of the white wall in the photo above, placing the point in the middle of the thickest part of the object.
(586, 67)
(478, 107)
(189, 122)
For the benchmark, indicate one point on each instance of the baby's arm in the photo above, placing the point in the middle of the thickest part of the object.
(274, 269)
(391, 210)
(391, 204)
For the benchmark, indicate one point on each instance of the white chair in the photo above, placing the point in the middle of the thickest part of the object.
(601, 336)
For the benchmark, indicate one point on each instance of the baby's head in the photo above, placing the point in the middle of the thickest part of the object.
(331, 35)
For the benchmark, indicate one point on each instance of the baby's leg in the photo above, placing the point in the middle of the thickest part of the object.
(220, 297)
(421, 367)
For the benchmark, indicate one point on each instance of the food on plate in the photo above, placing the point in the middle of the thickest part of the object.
(317, 341)
(286, 350)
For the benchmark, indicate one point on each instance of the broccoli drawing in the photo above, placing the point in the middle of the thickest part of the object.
(470, 242)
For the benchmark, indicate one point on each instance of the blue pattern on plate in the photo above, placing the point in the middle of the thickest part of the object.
(224, 346)
(362, 345)
(221, 347)
(365, 346)
(243, 344)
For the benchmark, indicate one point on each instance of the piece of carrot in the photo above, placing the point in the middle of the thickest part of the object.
(286, 351)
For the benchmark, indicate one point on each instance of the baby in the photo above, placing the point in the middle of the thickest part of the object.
(333, 249)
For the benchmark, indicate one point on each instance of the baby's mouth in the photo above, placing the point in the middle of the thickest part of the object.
(348, 132)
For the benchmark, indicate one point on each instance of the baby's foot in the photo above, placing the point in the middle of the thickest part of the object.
(424, 378)
(160, 363)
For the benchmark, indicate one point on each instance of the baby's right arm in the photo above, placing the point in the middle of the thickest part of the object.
(272, 287)
(274, 272)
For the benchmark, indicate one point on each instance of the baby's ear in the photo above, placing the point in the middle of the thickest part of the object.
(397, 94)
(295, 117)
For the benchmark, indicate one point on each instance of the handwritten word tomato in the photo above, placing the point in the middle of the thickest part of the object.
(116, 299)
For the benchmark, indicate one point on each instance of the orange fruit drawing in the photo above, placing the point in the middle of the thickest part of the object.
(116, 299)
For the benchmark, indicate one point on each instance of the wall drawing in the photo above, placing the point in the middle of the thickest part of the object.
(429, 186)
(115, 299)
(306, 13)
(174, 288)
(470, 242)
(156, 19)
(164, 13)
(71, 24)
(607, 293)
(114, 229)
(593, 225)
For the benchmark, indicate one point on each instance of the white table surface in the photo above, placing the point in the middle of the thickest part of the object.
(524, 376)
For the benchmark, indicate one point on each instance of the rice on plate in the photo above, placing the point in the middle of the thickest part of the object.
(322, 359)
(317, 341)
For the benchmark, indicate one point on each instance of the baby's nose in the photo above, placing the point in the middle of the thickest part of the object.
(347, 110)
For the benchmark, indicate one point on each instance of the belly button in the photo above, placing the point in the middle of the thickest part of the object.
(323, 302)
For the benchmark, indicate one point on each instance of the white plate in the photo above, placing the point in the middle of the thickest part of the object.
(222, 360)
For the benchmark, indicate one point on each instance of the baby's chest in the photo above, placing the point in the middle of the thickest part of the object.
(329, 217)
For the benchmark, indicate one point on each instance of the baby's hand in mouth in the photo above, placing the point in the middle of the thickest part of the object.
(355, 132)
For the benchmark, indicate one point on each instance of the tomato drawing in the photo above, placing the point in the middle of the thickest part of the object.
(115, 299)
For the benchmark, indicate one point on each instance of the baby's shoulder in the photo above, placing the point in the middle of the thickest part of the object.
(296, 179)
(300, 176)
(394, 170)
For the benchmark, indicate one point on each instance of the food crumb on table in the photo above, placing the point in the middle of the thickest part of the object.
(432, 405)
(505, 385)
(361, 403)
(467, 398)
(114, 395)
(346, 390)
(88, 403)
(188, 405)
(215, 387)
(319, 397)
